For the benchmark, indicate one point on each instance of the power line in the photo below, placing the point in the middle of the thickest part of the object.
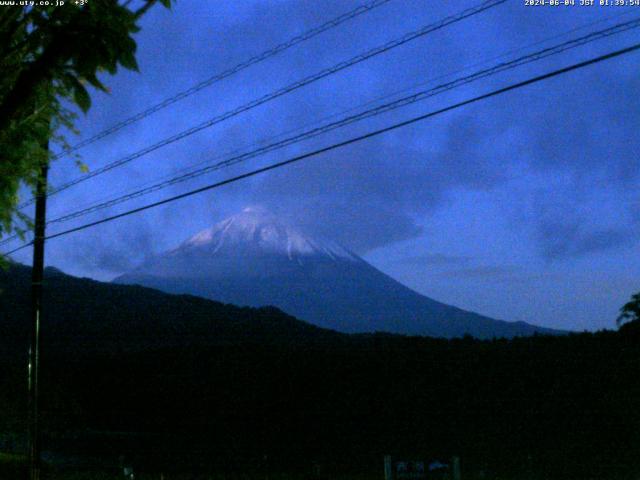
(487, 60)
(364, 8)
(18, 249)
(501, 67)
(335, 22)
(419, 96)
(515, 86)
(484, 61)
(373, 101)
(487, 4)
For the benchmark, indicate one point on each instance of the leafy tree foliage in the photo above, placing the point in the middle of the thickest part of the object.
(630, 312)
(48, 57)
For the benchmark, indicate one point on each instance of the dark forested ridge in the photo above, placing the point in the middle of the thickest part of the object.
(83, 316)
(254, 390)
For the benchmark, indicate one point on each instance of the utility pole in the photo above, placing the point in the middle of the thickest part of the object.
(388, 468)
(37, 274)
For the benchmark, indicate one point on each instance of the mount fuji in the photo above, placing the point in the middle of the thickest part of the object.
(255, 259)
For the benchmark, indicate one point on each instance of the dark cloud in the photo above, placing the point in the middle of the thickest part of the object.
(590, 139)
(113, 255)
(370, 196)
(573, 217)
(360, 227)
(583, 147)
(561, 240)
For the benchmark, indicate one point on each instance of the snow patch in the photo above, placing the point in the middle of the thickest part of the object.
(258, 229)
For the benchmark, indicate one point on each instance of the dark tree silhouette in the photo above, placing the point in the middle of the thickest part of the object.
(48, 57)
(630, 312)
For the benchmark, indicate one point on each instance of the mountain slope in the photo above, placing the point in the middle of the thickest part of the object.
(85, 316)
(255, 259)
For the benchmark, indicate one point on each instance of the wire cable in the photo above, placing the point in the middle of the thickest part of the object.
(469, 12)
(373, 101)
(402, 102)
(335, 22)
(266, 147)
(494, 93)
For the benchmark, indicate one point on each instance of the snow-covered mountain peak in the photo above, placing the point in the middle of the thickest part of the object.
(256, 259)
(258, 230)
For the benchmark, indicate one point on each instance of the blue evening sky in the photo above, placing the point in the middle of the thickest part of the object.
(522, 207)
